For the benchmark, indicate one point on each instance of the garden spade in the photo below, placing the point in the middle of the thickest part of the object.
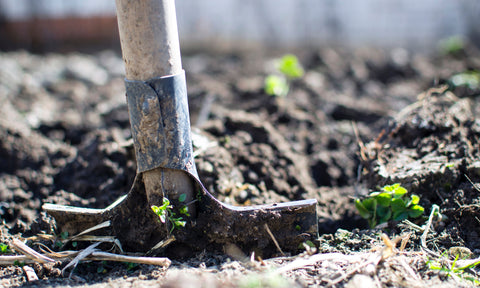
(158, 109)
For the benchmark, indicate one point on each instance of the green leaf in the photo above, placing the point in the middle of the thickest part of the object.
(414, 199)
(166, 202)
(179, 223)
(374, 194)
(184, 210)
(310, 243)
(383, 214)
(399, 192)
(362, 210)
(400, 215)
(398, 205)
(470, 79)
(160, 211)
(4, 248)
(290, 66)
(370, 204)
(276, 86)
(155, 209)
(384, 199)
(390, 188)
(452, 45)
(415, 211)
(182, 197)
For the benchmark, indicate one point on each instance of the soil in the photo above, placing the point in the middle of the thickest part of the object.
(356, 121)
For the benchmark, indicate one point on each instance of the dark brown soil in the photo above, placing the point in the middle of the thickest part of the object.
(65, 138)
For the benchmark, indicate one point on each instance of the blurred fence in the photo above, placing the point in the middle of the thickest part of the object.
(50, 24)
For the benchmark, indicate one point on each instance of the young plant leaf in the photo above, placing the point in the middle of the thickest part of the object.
(362, 210)
(414, 200)
(384, 199)
(383, 214)
(400, 215)
(398, 205)
(370, 204)
(390, 188)
(276, 86)
(182, 197)
(4, 249)
(184, 210)
(415, 211)
(290, 66)
(399, 192)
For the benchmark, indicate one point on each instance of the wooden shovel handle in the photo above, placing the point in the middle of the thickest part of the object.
(149, 38)
(151, 49)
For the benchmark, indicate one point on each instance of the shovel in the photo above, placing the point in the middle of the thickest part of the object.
(158, 109)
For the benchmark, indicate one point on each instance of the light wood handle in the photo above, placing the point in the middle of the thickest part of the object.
(149, 38)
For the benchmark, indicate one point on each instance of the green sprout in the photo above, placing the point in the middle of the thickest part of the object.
(165, 213)
(469, 79)
(4, 249)
(131, 266)
(276, 85)
(451, 45)
(458, 272)
(289, 68)
(392, 203)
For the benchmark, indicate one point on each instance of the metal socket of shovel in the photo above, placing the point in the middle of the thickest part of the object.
(159, 117)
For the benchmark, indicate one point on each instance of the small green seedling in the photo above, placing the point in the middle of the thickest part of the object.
(131, 266)
(165, 213)
(469, 79)
(458, 272)
(451, 45)
(392, 203)
(289, 68)
(4, 249)
(276, 85)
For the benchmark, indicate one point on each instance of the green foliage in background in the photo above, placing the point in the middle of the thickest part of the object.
(391, 203)
(451, 45)
(288, 68)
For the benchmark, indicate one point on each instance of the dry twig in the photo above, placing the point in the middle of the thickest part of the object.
(30, 253)
(84, 253)
(435, 209)
(274, 240)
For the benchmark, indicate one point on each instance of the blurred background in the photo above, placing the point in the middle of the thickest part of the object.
(89, 25)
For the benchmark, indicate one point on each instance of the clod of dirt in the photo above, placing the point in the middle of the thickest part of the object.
(431, 148)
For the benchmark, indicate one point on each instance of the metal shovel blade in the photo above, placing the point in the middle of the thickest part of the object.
(254, 228)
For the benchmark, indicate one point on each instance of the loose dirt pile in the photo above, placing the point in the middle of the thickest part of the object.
(353, 123)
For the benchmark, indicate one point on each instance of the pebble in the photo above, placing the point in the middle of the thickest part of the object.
(361, 281)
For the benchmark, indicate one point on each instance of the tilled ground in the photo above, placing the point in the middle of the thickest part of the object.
(353, 123)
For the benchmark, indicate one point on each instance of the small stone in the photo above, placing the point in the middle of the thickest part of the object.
(361, 281)
(462, 252)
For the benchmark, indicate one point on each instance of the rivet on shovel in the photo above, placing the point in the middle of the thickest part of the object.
(160, 123)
